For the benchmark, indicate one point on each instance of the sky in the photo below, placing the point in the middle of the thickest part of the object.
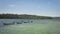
(33, 7)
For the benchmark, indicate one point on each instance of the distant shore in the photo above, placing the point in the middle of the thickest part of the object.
(22, 16)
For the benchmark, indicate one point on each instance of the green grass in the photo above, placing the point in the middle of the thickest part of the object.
(34, 28)
(24, 30)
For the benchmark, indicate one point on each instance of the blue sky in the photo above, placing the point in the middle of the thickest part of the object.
(33, 7)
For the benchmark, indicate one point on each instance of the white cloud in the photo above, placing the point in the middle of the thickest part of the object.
(12, 5)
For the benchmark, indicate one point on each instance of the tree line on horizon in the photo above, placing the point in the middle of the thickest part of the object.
(22, 16)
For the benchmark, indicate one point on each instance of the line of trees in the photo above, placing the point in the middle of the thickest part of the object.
(24, 16)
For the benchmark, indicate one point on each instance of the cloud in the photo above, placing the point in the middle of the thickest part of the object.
(12, 5)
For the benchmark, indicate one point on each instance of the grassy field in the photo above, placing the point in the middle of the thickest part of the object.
(40, 27)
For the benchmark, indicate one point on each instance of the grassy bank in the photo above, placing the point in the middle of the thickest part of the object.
(53, 27)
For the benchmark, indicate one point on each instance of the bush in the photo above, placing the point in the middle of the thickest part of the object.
(19, 23)
(8, 23)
